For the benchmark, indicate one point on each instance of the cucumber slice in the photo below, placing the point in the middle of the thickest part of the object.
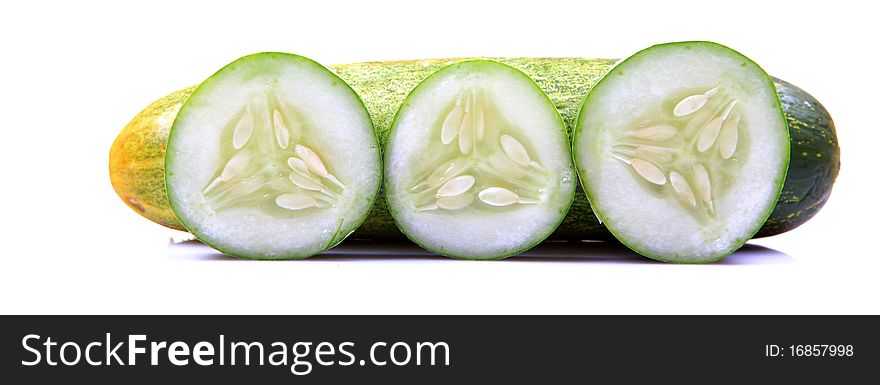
(477, 163)
(682, 150)
(272, 157)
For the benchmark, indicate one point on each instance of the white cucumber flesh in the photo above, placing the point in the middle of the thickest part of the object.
(477, 164)
(272, 157)
(683, 149)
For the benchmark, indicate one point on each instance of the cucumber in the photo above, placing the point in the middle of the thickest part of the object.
(137, 155)
(477, 163)
(682, 150)
(272, 157)
(384, 85)
(137, 160)
(814, 165)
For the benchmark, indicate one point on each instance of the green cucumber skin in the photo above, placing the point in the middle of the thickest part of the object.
(814, 164)
(384, 85)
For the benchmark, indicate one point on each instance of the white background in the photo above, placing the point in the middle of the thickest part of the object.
(72, 74)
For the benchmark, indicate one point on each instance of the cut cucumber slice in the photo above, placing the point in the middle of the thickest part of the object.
(272, 157)
(682, 150)
(477, 163)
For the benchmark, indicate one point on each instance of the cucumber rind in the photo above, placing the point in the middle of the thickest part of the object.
(334, 240)
(591, 194)
(393, 210)
(814, 160)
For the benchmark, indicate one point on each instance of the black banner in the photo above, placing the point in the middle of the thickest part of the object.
(392, 349)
